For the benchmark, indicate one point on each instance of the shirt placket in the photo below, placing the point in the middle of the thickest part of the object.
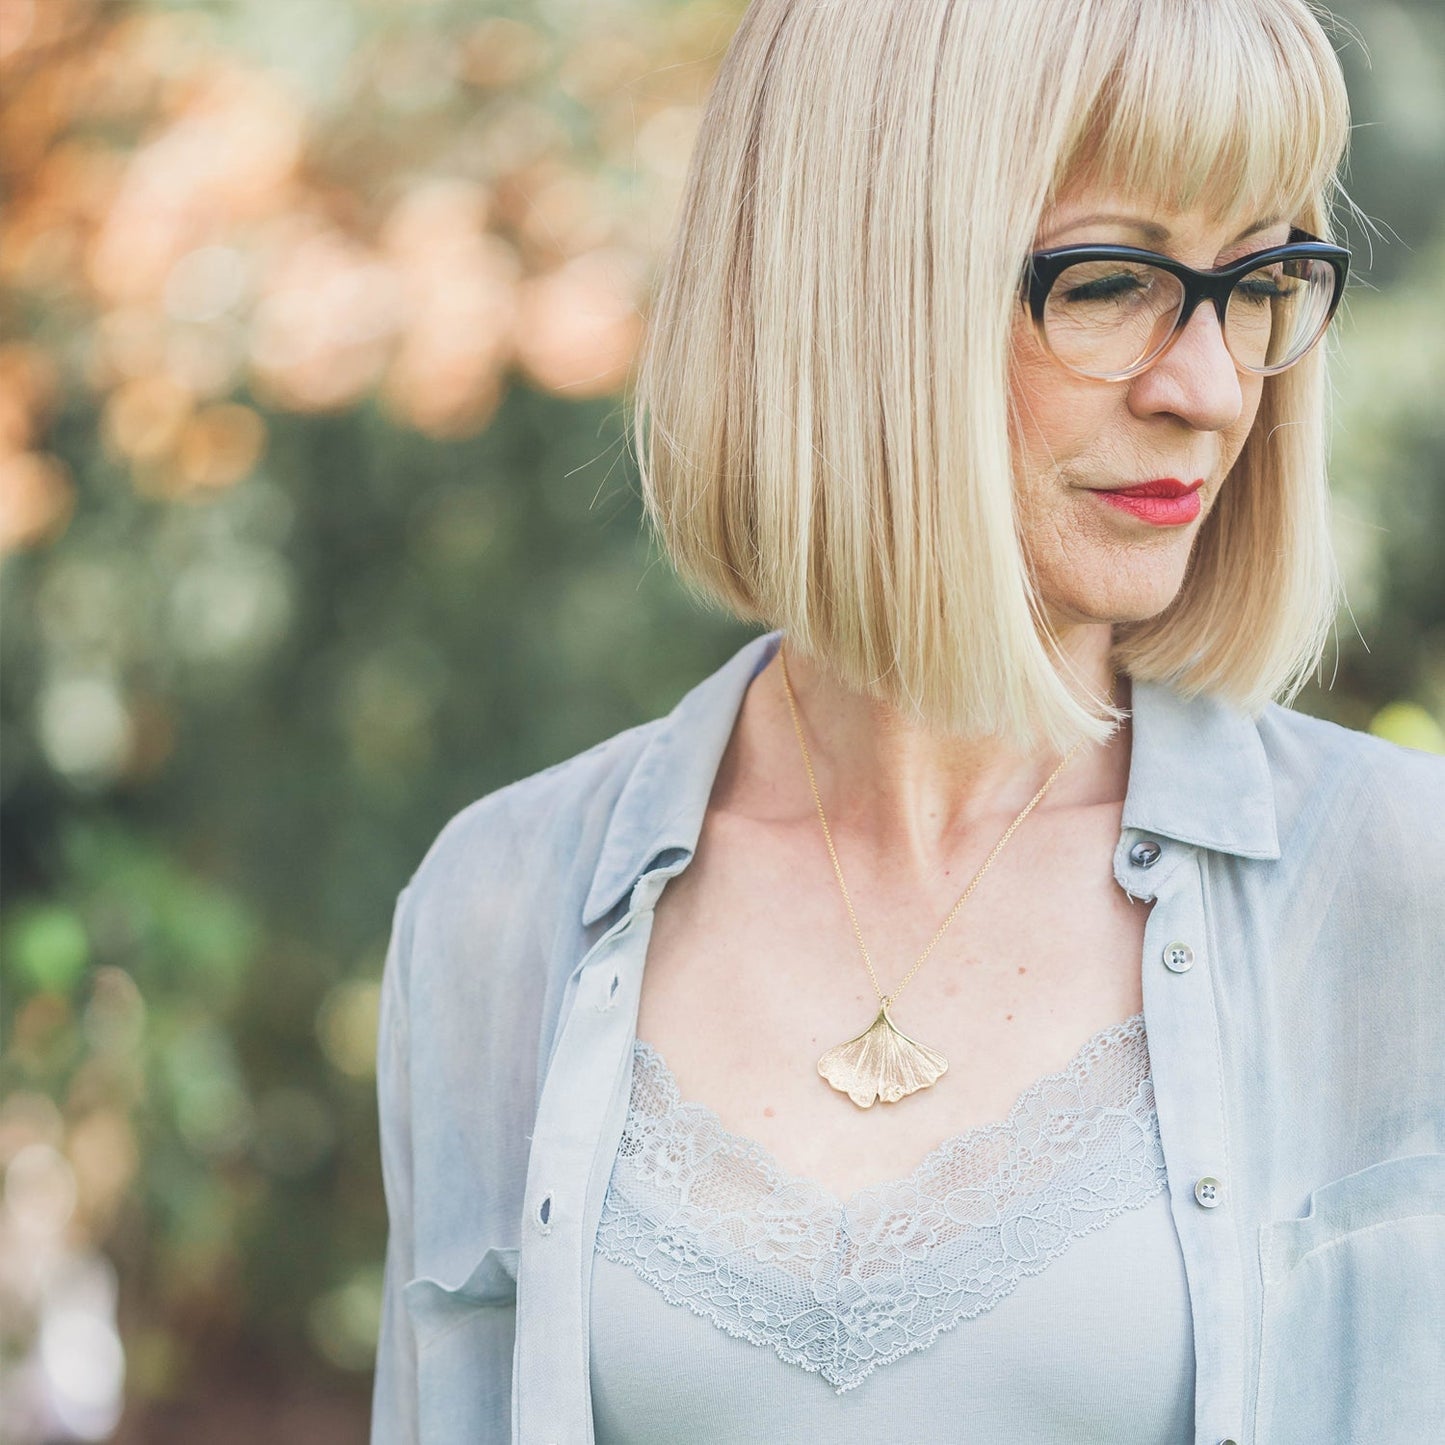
(579, 1120)
(1182, 1026)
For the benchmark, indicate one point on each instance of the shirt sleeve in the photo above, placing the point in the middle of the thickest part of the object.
(394, 1415)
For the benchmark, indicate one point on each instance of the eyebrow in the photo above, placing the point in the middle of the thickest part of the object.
(1157, 235)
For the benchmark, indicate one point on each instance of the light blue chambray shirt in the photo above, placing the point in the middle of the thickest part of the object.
(1294, 997)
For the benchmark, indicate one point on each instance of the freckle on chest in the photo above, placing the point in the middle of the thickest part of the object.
(769, 1112)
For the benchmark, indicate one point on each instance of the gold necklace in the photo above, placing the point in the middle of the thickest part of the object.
(883, 1062)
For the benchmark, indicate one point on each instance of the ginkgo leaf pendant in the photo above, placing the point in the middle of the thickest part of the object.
(881, 1063)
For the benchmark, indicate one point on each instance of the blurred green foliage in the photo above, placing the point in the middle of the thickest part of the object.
(287, 588)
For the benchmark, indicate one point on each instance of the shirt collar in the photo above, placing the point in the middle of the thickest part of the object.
(1198, 773)
(661, 806)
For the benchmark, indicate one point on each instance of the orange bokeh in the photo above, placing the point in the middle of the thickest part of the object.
(224, 241)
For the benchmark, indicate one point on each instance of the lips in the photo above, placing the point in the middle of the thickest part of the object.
(1159, 487)
(1163, 502)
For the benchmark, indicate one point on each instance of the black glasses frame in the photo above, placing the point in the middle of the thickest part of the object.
(1045, 267)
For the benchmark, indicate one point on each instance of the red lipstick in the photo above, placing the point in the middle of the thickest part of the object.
(1164, 502)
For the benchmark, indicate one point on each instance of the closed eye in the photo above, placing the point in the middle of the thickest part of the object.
(1104, 288)
(1266, 288)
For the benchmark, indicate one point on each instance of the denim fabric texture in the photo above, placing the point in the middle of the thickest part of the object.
(1293, 978)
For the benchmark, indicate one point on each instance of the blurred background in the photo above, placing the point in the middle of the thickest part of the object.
(318, 522)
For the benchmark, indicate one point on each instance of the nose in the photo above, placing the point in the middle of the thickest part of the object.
(1196, 378)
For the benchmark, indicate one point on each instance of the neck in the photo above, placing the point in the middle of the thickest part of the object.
(909, 791)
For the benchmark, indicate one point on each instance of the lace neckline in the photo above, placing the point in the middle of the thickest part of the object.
(714, 1223)
(967, 1141)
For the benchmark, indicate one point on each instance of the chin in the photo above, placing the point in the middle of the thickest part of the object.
(1117, 604)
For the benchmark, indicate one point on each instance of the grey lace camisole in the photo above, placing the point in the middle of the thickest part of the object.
(1024, 1283)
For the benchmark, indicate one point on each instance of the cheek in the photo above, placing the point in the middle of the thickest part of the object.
(1252, 391)
(1055, 416)
(1067, 539)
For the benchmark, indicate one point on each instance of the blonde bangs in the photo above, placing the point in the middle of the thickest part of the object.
(1227, 106)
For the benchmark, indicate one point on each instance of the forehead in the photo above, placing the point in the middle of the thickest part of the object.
(1159, 223)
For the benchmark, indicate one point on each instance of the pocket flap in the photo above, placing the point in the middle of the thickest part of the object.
(434, 1305)
(1394, 1189)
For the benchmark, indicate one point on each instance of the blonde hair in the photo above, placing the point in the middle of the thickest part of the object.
(822, 405)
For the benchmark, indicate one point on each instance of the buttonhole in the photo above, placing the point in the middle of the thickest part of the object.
(612, 992)
(544, 1212)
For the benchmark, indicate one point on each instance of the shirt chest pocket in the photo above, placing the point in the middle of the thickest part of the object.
(1353, 1334)
(465, 1329)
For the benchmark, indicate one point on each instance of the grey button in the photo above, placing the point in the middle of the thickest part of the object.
(1227, 1442)
(1145, 854)
(1209, 1191)
(1179, 957)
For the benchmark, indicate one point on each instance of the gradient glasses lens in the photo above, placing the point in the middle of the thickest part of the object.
(1277, 312)
(1108, 319)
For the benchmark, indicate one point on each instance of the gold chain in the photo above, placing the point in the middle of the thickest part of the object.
(833, 852)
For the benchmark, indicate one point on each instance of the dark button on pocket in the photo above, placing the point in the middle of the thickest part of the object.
(1145, 854)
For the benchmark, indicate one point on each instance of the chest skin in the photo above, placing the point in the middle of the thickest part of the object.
(753, 971)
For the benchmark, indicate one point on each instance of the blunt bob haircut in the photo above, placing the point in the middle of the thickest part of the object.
(822, 410)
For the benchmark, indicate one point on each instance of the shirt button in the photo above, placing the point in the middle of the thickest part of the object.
(1179, 957)
(1145, 854)
(1209, 1191)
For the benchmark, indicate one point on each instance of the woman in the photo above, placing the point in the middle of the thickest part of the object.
(985, 372)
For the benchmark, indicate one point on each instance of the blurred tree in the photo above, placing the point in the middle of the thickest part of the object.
(319, 522)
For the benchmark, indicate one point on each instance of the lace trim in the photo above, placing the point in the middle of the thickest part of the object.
(840, 1287)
